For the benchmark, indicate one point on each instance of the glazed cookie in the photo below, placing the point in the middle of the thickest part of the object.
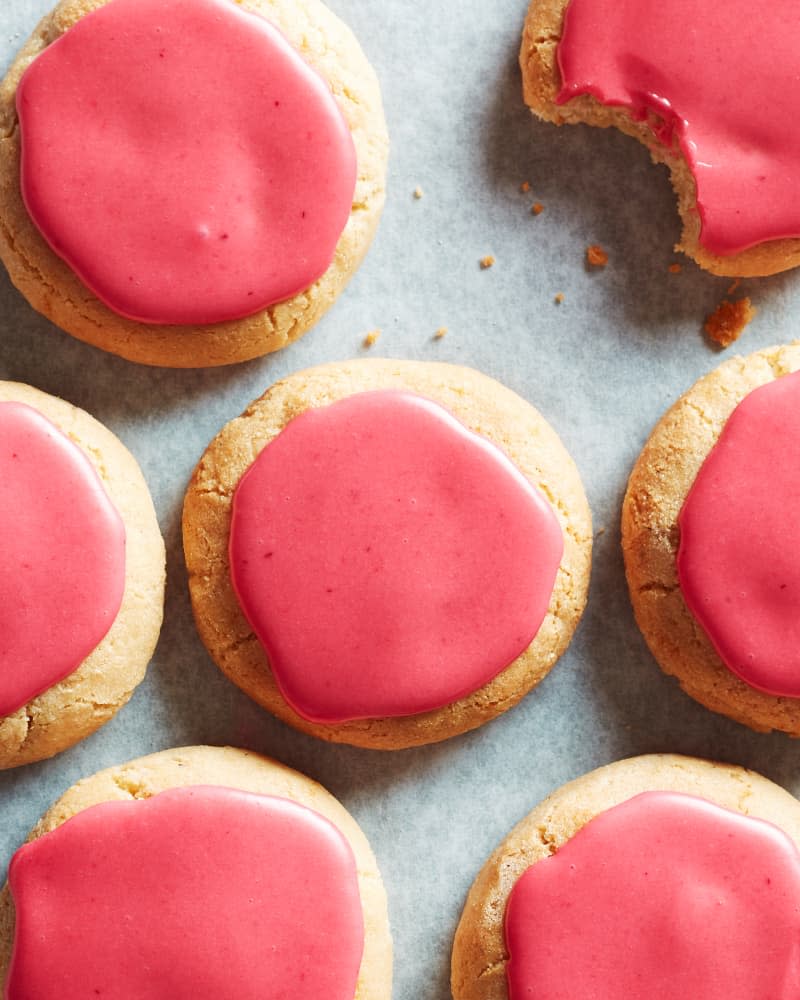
(200, 872)
(646, 70)
(81, 579)
(651, 878)
(710, 538)
(266, 125)
(387, 553)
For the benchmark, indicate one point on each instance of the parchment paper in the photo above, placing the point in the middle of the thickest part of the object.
(601, 366)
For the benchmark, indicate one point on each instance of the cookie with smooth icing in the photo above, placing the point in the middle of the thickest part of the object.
(646, 70)
(83, 582)
(729, 554)
(266, 122)
(601, 825)
(237, 886)
(387, 553)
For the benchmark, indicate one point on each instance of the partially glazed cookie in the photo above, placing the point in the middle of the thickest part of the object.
(651, 878)
(198, 872)
(387, 553)
(710, 539)
(81, 579)
(663, 73)
(189, 183)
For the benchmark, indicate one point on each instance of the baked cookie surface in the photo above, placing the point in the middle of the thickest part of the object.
(226, 771)
(72, 708)
(637, 68)
(480, 955)
(53, 288)
(479, 405)
(657, 491)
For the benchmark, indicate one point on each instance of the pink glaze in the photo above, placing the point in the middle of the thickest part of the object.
(663, 897)
(389, 560)
(184, 160)
(739, 555)
(62, 571)
(715, 79)
(198, 893)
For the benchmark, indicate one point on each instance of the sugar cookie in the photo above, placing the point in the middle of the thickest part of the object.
(652, 877)
(82, 581)
(411, 543)
(189, 184)
(198, 872)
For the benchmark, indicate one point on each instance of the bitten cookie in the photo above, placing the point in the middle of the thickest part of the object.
(197, 872)
(664, 74)
(387, 553)
(650, 878)
(81, 578)
(710, 538)
(189, 184)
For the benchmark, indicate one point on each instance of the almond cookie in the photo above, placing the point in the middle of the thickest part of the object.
(651, 878)
(664, 74)
(710, 539)
(198, 872)
(387, 553)
(189, 183)
(81, 579)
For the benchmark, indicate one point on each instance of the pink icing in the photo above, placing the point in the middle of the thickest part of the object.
(62, 572)
(196, 894)
(739, 556)
(664, 896)
(710, 78)
(184, 160)
(389, 560)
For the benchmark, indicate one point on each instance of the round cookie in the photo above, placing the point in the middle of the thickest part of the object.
(53, 288)
(731, 186)
(91, 694)
(228, 768)
(480, 405)
(659, 485)
(480, 955)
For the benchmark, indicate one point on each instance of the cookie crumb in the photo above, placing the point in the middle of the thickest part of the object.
(675, 268)
(441, 332)
(732, 288)
(726, 323)
(558, 298)
(418, 192)
(537, 208)
(487, 262)
(596, 256)
(372, 338)
(525, 187)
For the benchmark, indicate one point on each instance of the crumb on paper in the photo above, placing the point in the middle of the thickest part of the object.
(596, 256)
(418, 192)
(733, 286)
(441, 332)
(525, 187)
(675, 268)
(558, 298)
(372, 338)
(599, 532)
(537, 208)
(726, 323)
(487, 262)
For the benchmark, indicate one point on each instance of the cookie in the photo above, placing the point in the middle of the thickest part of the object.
(710, 541)
(661, 74)
(651, 877)
(189, 184)
(81, 579)
(211, 872)
(410, 543)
